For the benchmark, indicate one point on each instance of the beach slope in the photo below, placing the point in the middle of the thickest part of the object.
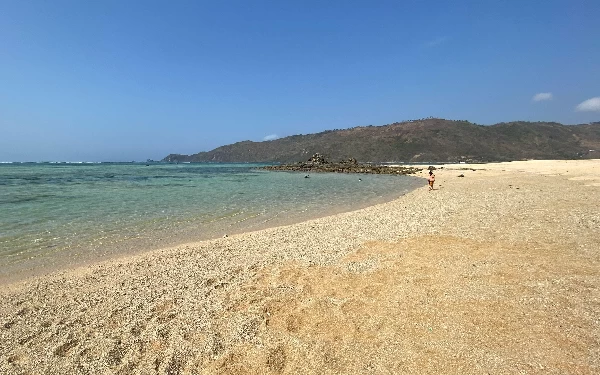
(494, 272)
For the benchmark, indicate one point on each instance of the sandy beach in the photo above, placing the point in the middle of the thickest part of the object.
(496, 272)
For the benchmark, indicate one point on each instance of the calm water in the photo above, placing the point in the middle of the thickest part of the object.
(52, 215)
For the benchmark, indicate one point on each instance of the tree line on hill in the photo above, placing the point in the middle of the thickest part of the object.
(423, 140)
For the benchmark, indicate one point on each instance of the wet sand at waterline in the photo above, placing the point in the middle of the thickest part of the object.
(494, 272)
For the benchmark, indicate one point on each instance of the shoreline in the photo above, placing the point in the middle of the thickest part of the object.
(122, 250)
(406, 284)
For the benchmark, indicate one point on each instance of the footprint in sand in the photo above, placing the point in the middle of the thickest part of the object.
(64, 349)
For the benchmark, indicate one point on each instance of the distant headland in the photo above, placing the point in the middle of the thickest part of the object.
(423, 140)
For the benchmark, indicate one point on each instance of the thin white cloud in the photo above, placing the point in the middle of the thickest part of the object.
(436, 42)
(590, 105)
(270, 137)
(540, 97)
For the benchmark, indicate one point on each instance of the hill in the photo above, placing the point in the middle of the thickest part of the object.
(427, 140)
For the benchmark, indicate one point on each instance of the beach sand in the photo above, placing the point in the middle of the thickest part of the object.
(496, 272)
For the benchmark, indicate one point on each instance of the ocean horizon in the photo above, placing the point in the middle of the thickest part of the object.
(56, 214)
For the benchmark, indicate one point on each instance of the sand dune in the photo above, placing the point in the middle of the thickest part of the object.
(494, 272)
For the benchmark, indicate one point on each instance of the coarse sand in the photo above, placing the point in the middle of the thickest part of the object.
(496, 272)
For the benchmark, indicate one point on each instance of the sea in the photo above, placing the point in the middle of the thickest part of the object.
(58, 215)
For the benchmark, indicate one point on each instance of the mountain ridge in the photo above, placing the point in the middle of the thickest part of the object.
(426, 140)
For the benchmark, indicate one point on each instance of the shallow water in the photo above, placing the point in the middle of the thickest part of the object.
(52, 215)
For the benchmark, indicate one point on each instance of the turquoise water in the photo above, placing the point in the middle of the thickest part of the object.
(53, 215)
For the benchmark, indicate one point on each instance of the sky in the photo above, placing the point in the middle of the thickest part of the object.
(123, 80)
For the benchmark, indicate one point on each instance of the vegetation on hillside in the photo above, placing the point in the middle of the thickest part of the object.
(426, 140)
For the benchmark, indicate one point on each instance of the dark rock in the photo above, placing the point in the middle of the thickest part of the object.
(461, 175)
(317, 159)
(317, 163)
(350, 161)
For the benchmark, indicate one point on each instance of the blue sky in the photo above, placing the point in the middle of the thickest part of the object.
(130, 80)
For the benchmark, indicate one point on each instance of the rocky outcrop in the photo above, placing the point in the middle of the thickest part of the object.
(317, 159)
(318, 163)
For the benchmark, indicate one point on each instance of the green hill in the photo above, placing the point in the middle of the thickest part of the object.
(428, 140)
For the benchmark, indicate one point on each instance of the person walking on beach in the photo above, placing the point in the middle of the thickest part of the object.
(431, 180)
